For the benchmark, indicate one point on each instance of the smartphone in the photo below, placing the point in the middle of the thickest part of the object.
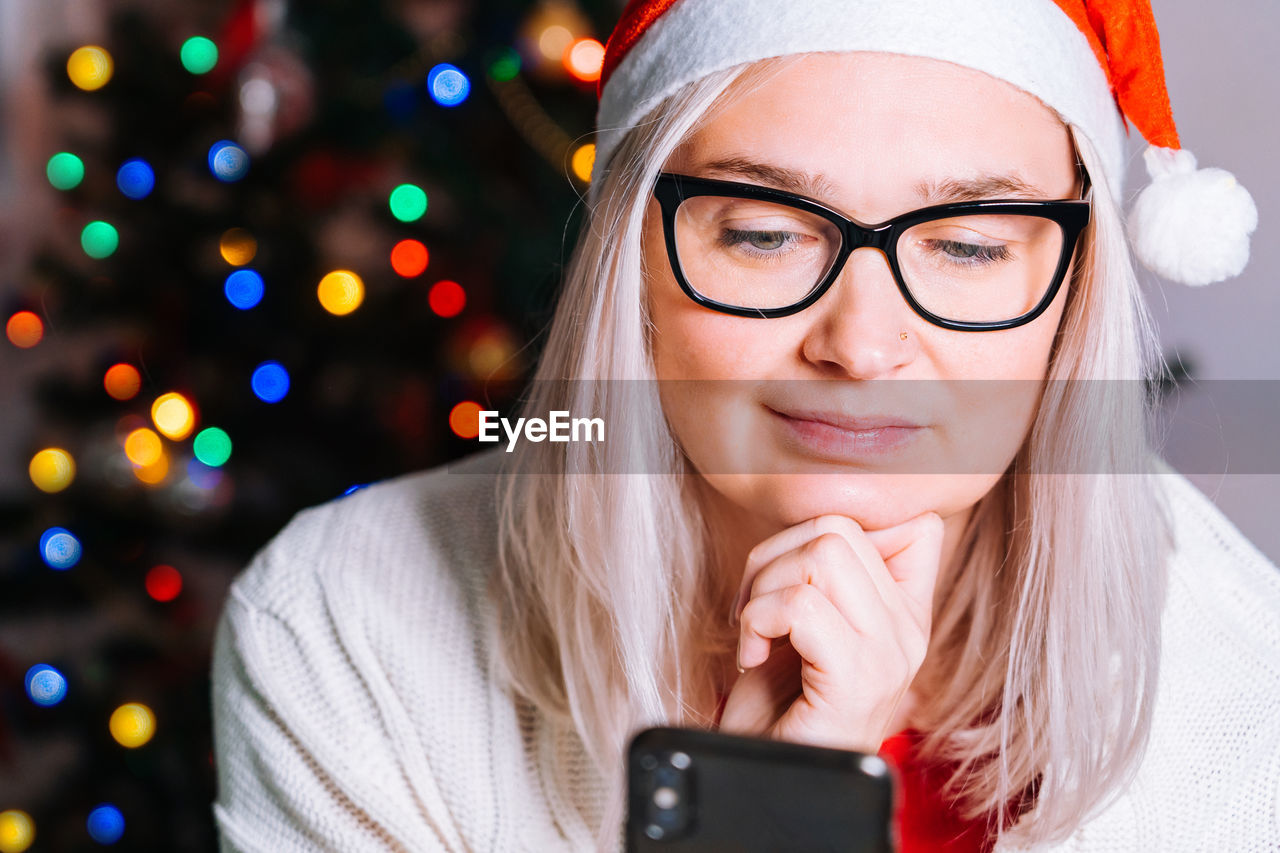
(693, 789)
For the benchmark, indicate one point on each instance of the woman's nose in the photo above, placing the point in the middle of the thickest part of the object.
(856, 325)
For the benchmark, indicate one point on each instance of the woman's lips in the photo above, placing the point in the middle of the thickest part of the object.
(837, 435)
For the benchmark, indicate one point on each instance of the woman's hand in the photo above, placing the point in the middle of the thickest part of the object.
(856, 606)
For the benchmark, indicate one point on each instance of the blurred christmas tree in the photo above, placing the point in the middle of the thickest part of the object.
(290, 239)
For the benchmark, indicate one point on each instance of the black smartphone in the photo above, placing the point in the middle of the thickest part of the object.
(693, 789)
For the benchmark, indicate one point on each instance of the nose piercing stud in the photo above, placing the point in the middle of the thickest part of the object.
(902, 336)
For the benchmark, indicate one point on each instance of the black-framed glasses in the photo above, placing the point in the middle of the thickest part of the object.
(975, 266)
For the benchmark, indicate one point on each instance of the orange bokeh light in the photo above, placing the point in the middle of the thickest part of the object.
(409, 258)
(173, 415)
(143, 447)
(155, 473)
(584, 58)
(447, 298)
(464, 419)
(24, 329)
(122, 381)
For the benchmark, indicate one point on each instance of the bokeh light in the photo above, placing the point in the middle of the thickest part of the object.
(464, 419)
(227, 161)
(155, 473)
(132, 724)
(238, 247)
(163, 583)
(143, 447)
(45, 685)
(199, 55)
(447, 298)
(408, 202)
(583, 160)
(122, 381)
(584, 59)
(136, 179)
(105, 824)
(90, 67)
(173, 415)
(409, 258)
(99, 239)
(65, 171)
(554, 41)
(203, 476)
(52, 469)
(505, 65)
(17, 831)
(24, 329)
(351, 490)
(59, 548)
(212, 447)
(341, 292)
(243, 289)
(270, 382)
(448, 85)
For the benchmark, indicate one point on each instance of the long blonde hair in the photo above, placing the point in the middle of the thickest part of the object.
(1045, 646)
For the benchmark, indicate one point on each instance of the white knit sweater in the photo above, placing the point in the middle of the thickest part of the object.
(354, 708)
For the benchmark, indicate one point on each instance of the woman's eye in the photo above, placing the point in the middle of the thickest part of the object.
(971, 252)
(765, 241)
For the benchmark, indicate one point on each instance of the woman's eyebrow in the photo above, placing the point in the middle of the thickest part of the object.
(818, 186)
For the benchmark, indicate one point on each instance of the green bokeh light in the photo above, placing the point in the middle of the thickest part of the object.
(99, 239)
(65, 171)
(505, 65)
(212, 447)
(408, 203)
(199, 55)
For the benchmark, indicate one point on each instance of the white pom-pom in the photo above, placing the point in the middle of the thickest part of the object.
(1191, 225)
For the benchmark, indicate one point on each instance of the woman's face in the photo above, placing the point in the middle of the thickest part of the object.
(877, 129)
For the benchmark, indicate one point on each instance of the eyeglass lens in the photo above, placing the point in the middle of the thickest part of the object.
(756, 254)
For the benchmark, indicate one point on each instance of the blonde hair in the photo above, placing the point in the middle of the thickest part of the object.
(1046, 636)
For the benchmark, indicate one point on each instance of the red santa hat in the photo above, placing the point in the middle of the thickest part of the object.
(1095, 62)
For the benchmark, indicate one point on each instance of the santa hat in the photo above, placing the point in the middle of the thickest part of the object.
(1096, 62)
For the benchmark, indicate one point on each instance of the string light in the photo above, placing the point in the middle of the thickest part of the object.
(409, 258)
(52, 469)
(24, 329)
(155, 473)
(243, 289)
(199, 55)
(163, 583)
(99, 239)
(132, 724)
(270, 382)
(136, 179)
(408, 203)
(504, 65)
(105, 824)
(90, 67)
(584, 59)
(583, 160)
(237, 246)
(142, 447)
(227, 161)
(65, 171)
(554, 41)
(212, 447)
(448, 85)
(447, 298)
(122, 381)
(45, 685)
(341, 292)
(173, 415)
(464, 419)
(17, 831)
(60, 549)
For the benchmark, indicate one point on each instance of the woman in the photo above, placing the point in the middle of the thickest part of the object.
(982, 572)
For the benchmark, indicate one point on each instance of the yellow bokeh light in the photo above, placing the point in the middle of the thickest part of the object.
(90, 67)
(143, 447)
(173, 416)
(583, 160)
(238, 247)
(132, 724)
(341, 292)
(17, 831)
(155, 473)
(52, 469)
(553, 41)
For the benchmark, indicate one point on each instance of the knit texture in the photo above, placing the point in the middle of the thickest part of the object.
(355, 707)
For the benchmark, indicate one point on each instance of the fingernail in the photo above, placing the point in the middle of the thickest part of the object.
(740, 669)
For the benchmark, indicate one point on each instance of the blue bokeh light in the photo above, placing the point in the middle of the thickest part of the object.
(244, 289)
(447, 85)
(59, 548)
(203, 476)
(105, 824)
(270, 382)
(136, 179)
(45, 685)
(228, 161)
